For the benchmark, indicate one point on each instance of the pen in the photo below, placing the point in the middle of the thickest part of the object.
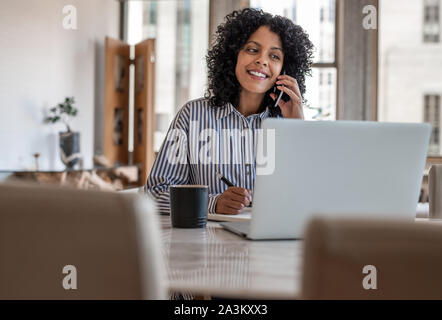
(223, 179)
(227, 182)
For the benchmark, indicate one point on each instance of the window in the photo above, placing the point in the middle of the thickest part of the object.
(332, 9)
(431, 27)
(409, 86)
(294, 13)
(181, 32)
(317, 17)
(432, 116)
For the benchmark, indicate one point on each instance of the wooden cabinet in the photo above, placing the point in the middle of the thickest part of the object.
(119, 114)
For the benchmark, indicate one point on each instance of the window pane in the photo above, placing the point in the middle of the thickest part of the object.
(410, 64)
(321, 95)
(181, 32)
(317, 17)
(431, 24)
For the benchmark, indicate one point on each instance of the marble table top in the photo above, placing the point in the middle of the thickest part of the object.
(212, 261)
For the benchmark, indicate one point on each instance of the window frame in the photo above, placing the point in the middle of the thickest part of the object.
(335, 63)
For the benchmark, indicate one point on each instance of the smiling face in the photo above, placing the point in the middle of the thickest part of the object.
(259, 61)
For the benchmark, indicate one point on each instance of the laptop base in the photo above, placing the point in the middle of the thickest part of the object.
(241, 228)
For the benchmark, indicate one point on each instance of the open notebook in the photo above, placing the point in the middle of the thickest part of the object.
(244, 215)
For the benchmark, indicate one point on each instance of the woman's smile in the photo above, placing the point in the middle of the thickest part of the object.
(258, 74)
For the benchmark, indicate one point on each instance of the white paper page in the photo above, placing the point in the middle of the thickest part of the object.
(244, 215)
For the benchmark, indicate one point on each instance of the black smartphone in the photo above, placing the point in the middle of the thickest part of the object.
(280, 94)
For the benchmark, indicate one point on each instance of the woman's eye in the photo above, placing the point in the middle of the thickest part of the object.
(255, 50)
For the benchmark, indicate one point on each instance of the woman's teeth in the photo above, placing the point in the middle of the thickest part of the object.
(258, 74)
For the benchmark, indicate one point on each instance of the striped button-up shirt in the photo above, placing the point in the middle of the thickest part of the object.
(201, 141)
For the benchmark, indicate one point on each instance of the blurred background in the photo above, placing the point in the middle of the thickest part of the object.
(378, 60)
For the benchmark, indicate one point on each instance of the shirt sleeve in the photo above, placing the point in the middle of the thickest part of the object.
(213, 198)
(171, 167)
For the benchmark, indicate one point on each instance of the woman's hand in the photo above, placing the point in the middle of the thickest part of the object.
(233, 200)
(293, 107)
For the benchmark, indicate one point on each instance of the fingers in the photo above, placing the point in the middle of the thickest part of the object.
(239, 191)
(292, 108)
(295, 111)
(243, 196)
(289, 85)
(226, 210)
(290, 93)
(241, 199)
(233, 200)
(289, 82)
(227, 206)
(235, 205)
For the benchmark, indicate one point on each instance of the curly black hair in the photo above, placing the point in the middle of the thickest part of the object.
(232, 35)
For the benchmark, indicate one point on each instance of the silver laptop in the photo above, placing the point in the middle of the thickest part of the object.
(342, 168)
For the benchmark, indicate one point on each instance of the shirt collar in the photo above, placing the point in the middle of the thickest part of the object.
(265, 114)
(222, 112)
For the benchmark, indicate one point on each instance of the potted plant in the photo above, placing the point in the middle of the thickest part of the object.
(69, 140)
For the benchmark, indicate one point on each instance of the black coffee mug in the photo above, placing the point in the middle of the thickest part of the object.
(189, 205)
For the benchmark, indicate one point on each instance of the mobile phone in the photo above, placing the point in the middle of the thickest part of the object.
(280, 94)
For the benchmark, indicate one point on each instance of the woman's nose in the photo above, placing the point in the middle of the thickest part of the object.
(261, 61)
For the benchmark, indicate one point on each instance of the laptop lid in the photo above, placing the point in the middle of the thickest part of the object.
(366, 169)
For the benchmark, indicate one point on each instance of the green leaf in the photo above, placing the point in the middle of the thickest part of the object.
(62, 108)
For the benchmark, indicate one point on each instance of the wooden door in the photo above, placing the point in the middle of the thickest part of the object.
(144, 115)
(116, 109)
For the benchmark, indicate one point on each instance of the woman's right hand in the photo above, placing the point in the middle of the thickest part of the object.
(233, 200)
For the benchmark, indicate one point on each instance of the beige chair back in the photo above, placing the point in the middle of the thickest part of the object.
(112, 240)
(407, 260)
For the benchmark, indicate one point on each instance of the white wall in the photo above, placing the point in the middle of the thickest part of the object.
(40, 64)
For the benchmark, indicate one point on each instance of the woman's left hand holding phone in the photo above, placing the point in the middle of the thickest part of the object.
(293, 107)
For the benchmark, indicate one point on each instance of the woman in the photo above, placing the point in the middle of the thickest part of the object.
(217, 133)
